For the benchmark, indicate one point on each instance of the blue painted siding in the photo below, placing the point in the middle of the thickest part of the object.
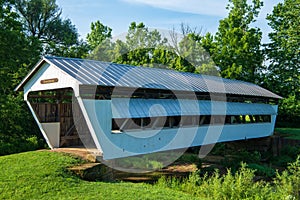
(149, 141)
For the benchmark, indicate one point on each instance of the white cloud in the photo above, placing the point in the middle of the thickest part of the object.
(204, 7)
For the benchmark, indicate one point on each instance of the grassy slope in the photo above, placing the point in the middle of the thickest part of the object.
(293, 133)
(43, 175)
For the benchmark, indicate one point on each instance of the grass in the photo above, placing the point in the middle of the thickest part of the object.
(292, 133)
(44, 175)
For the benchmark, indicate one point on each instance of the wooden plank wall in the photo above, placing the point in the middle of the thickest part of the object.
(62, 112)
(46, 112)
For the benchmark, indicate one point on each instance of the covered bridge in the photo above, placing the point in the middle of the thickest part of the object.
(121, 110)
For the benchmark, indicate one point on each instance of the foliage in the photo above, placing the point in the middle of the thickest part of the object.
(42, 21)
(219, 149)
(17, 52)
(287, 184)
(262, 170)
(289, 111)
(293, 133)
(144, 47)
(28, 29)
(236, 46)
(283, 54)
(239, 185)
(244, 156)
(140, 46)
(193, 57)
(44, 175)
(99, 33)
(20, 145)
(283, 51)
(287, 155)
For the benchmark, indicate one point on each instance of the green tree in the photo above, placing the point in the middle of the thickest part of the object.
(141, 47)
(284, 49)
(192, 57)
(99, 33)
(283, 52)
(42, 21)
(139, 36)
(28, 29)
(144, 47)
(99, 41)
(17, 52)
(236, 46)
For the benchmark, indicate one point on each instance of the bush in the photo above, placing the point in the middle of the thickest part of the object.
(291, 151)
(219, 149)
(289, 111)
(287, 155)
(237, 186)
(287, 184)
(262, 170)
(18, 145)
(18, 130)
(244, 156)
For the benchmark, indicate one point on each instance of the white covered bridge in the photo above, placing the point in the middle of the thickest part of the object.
(123, 110)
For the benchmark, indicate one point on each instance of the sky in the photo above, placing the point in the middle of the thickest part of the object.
(157, 14)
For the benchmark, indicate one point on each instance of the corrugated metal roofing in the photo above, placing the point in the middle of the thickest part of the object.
(92, 72)
(139, 108)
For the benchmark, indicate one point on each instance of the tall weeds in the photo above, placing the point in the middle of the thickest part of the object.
(239, 185)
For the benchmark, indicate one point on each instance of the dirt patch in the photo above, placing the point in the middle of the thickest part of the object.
(181, 168)
(82, 153)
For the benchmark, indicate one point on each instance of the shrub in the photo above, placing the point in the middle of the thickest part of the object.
(288, 155)
(291, 151)
(244, 156)
(262, 170)
(240, 185)
(17, 145)
(219, 149)
(237, 186)
(287, 184)
(289, 111)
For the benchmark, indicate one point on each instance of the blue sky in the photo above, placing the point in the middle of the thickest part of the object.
(160, 14)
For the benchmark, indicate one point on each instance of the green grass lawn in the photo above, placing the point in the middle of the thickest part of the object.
(44, 175)
(292, 133)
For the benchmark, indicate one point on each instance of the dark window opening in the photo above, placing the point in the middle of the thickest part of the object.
(108, 92)
(127, 124)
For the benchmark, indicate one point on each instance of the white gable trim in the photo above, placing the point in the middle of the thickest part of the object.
(38, 81)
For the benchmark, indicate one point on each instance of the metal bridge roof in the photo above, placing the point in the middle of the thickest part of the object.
(90, 72)
(139, 108)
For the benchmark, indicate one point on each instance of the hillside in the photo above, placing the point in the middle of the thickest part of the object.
(44, 175)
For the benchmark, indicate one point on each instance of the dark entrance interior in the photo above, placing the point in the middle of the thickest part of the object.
(56, 106)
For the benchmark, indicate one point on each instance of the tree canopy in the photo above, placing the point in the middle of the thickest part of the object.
(98, 34)
(236, 47)
(284, 49)
(283, 53)
(42, 22)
